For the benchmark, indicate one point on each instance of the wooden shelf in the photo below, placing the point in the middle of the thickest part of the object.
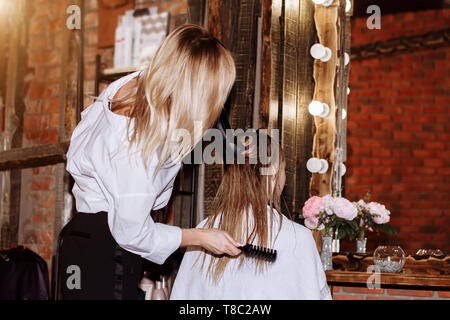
(418, 272)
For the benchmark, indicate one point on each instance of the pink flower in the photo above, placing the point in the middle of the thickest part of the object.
(380, 214)
(312, 208)
(344, 209)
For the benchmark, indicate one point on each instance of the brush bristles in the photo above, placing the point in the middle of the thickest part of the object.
(260, 252)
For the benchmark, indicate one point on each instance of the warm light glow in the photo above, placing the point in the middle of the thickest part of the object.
(348, 5)
(315, 165)
(348, 91)
(318, 108)
(344, 114)
(346, 58)
(343, 169)
(325, 3)
(317, 51)
(315, 107)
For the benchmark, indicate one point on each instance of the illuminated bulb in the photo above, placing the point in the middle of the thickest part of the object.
(344, 114)
(348, 90)
(318, 108)
(346, 58)
(348, 5)
(319, 51)
(315, 165)
(325, 3)
(343, 169)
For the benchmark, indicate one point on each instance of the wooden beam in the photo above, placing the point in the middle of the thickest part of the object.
(305, 89)
(430, 39)
(43, 155)
(324, 76)
(266, 65)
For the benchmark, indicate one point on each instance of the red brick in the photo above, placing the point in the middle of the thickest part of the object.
(444, 294)
(36, 91)
(383, 298)
(31, 122)
(347, 297)
(49, 136)
(362, 290)
(410, 293)
(51, 105)
(42, 183)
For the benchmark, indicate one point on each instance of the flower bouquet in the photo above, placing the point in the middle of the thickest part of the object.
(330, 213)
(372, 216)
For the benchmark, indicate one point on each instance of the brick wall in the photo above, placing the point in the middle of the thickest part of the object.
(398, 132)
(354, 293)
(41, 122)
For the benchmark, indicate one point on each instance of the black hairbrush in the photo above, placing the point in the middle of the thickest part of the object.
(259, 252)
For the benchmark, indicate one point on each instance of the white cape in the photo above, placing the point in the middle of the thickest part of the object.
(297, 272)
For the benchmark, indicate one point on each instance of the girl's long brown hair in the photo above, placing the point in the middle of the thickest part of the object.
(241, 203)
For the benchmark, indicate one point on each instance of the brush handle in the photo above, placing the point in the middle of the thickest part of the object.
(259, 252)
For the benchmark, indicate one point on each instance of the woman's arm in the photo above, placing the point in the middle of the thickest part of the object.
(213, 240)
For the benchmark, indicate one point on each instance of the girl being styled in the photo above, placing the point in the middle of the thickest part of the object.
(124, 156)
(247, 206)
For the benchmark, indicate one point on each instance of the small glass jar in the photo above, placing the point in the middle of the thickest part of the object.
(326, 254)
(389, 258)
(361, 245)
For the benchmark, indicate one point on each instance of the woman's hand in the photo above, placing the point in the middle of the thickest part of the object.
(213, 240)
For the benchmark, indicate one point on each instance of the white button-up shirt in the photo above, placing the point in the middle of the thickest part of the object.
(296, 274)
(111, 177)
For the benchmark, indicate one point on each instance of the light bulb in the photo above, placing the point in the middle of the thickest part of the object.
(343, 169)
(315, 165)
(344, 114)
(325, 3)
(319, 51)
(348, 90)
(318, 108)
(346, 58)
(315, 107)
(348, 5)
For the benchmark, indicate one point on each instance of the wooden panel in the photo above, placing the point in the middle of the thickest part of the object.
(235, 24)
(196, 9)
(266, 65)
(244, 53)
(305, 89)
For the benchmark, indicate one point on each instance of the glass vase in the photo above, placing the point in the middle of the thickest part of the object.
(326, 254)
(361, 245)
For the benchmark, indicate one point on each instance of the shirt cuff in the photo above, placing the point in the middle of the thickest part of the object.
(169, 242)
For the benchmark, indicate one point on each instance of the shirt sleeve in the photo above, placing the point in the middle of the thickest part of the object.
(132, 192)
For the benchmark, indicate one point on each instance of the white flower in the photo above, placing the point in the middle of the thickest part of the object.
(310, 225)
